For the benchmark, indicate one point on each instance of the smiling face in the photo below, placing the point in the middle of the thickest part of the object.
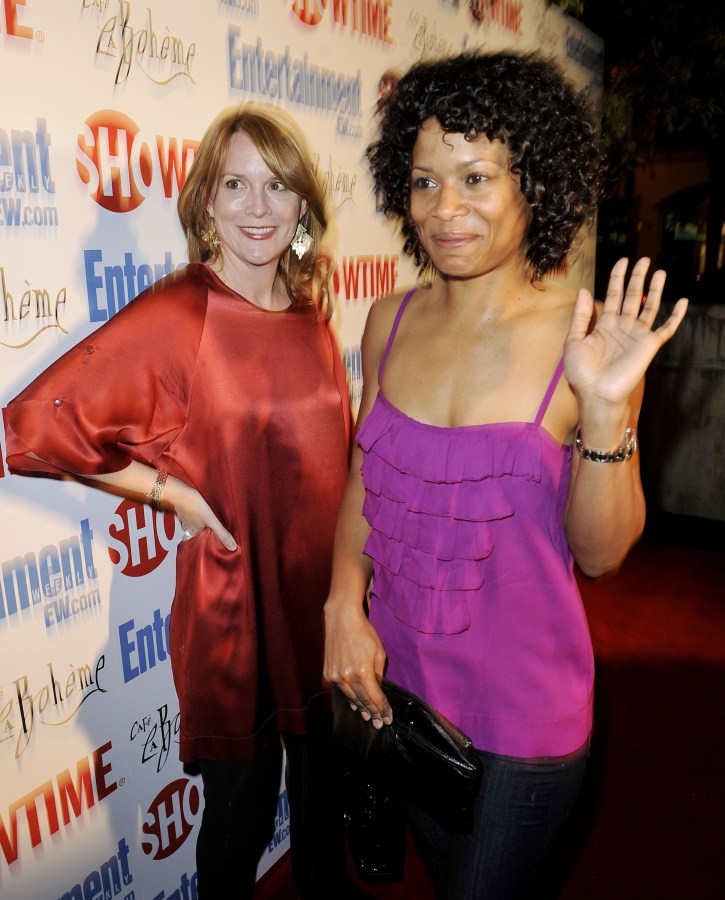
(467, 207)
(256, 216)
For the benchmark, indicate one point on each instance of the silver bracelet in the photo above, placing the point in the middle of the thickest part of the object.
(156, 494)
(621, 454)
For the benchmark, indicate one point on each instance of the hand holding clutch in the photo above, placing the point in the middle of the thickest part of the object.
(424, 756)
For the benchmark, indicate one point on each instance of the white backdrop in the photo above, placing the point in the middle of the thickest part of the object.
(103, 104)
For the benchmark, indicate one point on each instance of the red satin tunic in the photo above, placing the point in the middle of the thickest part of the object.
(250, 407)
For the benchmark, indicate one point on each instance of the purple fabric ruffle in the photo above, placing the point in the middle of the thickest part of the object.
(433, 496)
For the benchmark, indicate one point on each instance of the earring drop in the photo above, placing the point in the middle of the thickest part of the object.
(210, 235)
(302, 241)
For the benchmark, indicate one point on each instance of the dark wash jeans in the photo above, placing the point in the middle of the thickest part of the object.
(519, 813)
(240, 803)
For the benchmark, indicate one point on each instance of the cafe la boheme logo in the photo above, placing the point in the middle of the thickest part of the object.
(134, 41)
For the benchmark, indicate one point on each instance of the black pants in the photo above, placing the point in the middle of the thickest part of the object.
(240, 802)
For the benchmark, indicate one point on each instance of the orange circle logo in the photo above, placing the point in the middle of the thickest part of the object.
(309, 12)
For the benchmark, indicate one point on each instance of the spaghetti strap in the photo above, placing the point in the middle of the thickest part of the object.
(391, 336)
(549, 392)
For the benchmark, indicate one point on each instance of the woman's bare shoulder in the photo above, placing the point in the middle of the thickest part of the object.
(554, 304)
(557, 294)
(382, 316)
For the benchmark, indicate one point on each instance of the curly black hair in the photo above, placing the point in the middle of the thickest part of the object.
(524, 101)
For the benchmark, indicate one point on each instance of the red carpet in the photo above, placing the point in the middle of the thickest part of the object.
(651, 823)
(656, 791)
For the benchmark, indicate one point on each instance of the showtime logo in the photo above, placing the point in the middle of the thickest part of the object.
(170, 818)
(12, 26)
(56, 801)
(506, 13)
(140, 538)
(369, 17)
(366, 277)
(309, 12)
(121, 167)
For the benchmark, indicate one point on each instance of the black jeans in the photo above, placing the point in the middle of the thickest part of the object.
(518, 816)
(240, 803)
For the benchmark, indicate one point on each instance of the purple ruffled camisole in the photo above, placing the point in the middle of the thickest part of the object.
(473, 594)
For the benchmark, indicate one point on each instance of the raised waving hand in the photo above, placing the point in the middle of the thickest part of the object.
(606, 363)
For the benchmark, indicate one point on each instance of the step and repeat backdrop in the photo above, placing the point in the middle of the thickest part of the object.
(102, 106)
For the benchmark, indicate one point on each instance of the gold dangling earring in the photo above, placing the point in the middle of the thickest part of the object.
(210, 235)
(428, 274)
(302, 241)
(427, 271)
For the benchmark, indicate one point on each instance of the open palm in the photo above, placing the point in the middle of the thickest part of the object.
(607, 362)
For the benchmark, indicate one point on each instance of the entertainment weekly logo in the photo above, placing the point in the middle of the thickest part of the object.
(121, 166)
(27, 186)
(352, 360)
(60, 580)
(112, 283)
(140, 538)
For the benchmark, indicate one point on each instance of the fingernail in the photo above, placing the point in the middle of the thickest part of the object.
(377, 724)
(353, 707)
(387, 720)
(366, 715)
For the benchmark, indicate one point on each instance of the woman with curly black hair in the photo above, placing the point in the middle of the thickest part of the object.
(495, 447)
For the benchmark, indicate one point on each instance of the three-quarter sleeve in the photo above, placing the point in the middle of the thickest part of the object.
(120, 394)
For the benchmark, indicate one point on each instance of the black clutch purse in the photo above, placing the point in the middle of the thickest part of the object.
(422, 755)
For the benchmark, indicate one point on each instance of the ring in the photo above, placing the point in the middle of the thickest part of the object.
(187, 535)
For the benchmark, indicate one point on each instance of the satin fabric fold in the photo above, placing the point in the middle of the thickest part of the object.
(251, 408)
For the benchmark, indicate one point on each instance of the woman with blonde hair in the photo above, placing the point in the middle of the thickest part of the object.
(232, 413)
